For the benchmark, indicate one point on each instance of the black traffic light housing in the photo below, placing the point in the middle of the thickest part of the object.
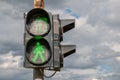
(61, 51)
(38, 31)
(66, 25)
(49, 36)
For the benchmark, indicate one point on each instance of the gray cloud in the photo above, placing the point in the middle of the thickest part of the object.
(15, 74)
(55, 4)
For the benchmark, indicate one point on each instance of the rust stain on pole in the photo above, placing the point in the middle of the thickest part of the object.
(39, 4)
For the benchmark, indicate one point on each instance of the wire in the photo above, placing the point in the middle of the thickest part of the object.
(48, 76)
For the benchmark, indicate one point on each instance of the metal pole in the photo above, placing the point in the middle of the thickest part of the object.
(38, 74)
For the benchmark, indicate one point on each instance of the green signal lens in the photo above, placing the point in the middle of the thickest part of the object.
(38, 51)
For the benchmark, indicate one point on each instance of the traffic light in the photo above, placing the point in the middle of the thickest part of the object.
(42, 39)
(38, 39)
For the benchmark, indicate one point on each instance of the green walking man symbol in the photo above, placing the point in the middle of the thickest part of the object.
(38, 52)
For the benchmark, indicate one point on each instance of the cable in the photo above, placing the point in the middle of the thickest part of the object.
(48, 76)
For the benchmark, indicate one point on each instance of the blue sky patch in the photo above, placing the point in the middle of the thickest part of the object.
(69, 11)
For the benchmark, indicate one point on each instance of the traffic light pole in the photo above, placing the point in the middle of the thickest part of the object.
(38, 74)
(39, 4)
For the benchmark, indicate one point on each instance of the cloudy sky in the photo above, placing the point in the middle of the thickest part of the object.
(97, 36)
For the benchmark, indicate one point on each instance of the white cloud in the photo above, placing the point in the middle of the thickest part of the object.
(81, 22)
(118, 58)
(113, 45)
(94, 79)
(74, 74)
(83, 72)
(11, 68)
(10, 61)
(116, 47)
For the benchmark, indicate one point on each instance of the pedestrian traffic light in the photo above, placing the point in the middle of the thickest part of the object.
(38, 39)
(42, 40)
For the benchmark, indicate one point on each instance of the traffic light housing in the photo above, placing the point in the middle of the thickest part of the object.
(61, 51)
(42, 39)
(38, 39)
